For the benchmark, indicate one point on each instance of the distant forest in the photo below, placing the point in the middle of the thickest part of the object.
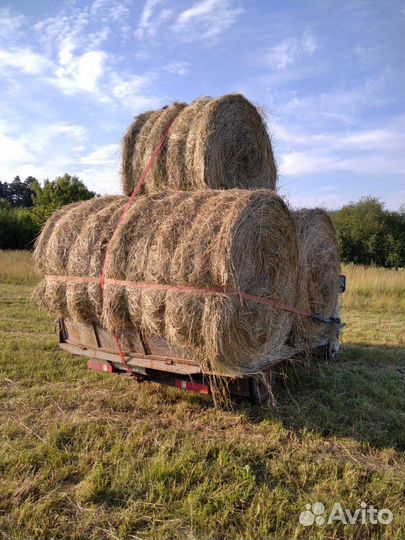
(368, 233)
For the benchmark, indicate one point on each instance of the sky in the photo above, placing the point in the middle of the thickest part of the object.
(329, 74)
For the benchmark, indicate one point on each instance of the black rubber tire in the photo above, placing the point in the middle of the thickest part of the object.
(258, 391)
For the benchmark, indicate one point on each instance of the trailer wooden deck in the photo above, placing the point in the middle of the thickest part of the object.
(154, 360)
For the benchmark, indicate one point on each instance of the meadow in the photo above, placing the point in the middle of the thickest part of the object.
(89, 455)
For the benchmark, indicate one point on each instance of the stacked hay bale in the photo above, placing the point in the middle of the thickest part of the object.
(214, 143)
(207, 218)
(320, 270)
(234, 240)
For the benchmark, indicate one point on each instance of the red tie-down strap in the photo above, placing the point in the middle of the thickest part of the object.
(197, 290)
(183, 289)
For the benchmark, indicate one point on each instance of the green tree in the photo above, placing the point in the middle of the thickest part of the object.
(27, 226)
(56, 193)
(8, 227)
(368, 234)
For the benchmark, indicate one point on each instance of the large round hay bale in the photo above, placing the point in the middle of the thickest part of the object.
(319, 271)
(235, 240)
(58, 246)
(218, 143)
(229, 146)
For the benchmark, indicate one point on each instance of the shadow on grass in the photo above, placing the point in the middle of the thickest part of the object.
(359, 396)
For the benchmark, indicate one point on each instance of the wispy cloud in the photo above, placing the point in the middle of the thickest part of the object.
(206, 20)
(23, 60)
(67, 52)
(10, 23)
(106, 154)
(177, 68)
(290, 50)
(80, 73)
(373, 151)
(24, 150)
(151, 18)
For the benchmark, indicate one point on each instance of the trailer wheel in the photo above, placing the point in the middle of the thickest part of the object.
(333, 350)
(259, 390)
(330, 350)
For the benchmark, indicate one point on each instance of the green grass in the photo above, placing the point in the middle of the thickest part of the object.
(86, 455)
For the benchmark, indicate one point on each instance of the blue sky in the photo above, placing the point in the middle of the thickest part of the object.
(329, 74)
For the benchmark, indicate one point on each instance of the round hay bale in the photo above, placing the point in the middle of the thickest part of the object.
(86, 259)
(319, 270)
(229, 146)
(181, 177)
(246, 240)
(129, 150)
(214, 143)
(199, 239)
(58, 246)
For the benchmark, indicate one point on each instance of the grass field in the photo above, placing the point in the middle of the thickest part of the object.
(87, 455)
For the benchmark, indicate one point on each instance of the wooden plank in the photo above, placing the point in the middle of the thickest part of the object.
(80, 333)
(145, 361)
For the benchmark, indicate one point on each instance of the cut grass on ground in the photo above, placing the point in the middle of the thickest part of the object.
(86, 455)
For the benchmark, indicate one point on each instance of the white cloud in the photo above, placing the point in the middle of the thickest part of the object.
(106, 154)
(177, 68)
(130, 92)
(81, 73)
(38, 150)
(49, 150)
(206, 20)
(109, 10)
(10, 23)
(24, 60)
(151, 19)
(290, 50)
(373, 151)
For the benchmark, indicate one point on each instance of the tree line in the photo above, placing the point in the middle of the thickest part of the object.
(25, 205)
(368, 233)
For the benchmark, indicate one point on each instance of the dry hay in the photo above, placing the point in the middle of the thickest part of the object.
(214, 143)
(178, 170)
(139, 143)
(231, 147)
(129, 149)
(56, 249)
(319, 270)
(236, 240)
(86, 258)
(47, 229)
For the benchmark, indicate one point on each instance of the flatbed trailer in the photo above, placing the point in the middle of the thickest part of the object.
(153, 359)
